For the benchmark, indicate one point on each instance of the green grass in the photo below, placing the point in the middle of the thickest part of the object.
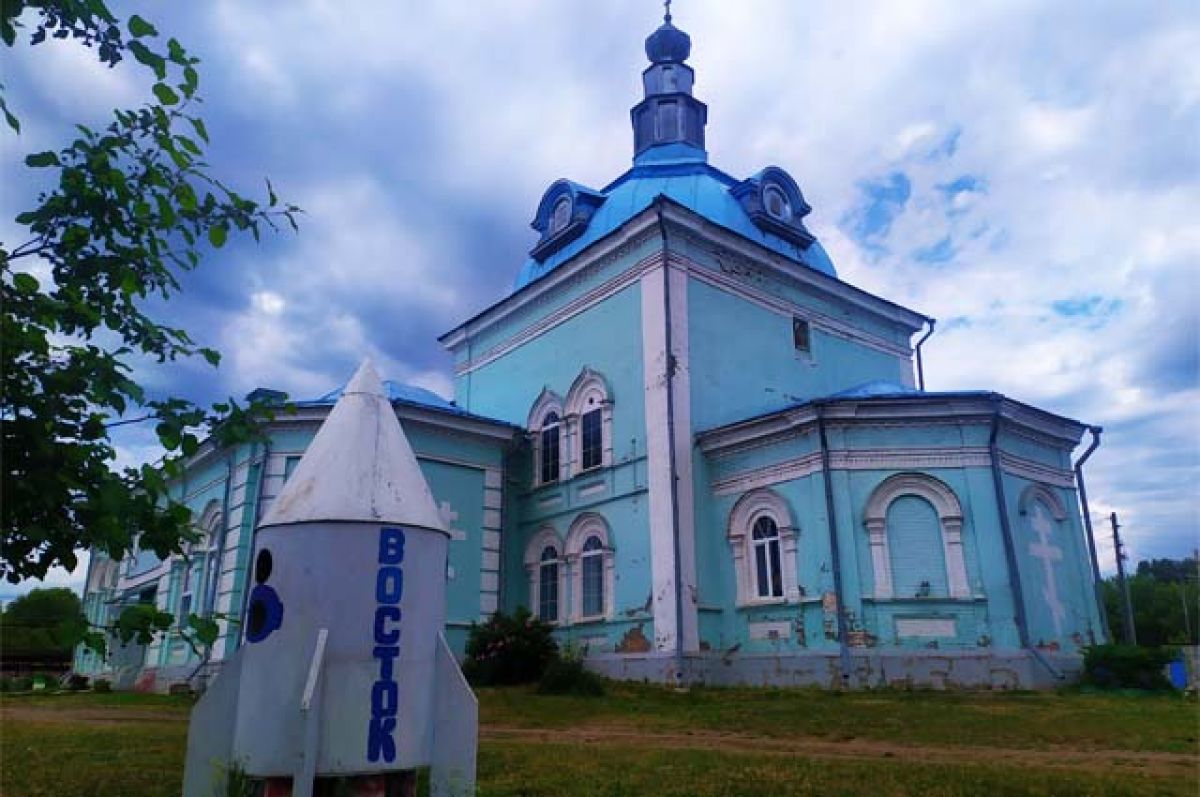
(647, 740)
(1162, 722)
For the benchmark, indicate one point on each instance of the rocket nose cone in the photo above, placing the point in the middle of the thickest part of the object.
(365, 380)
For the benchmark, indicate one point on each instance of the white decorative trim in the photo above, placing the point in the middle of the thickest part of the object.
(950, 516)
(816, 319)
(547, 401)
(587, 525)
(749, 508)
(926, 627)
(1036, 471)
(589, 391)
(1043, 493)
(770, 630)
(565, 313)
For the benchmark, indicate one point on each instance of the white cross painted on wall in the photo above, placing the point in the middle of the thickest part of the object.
(1049, 554)
(448, 516)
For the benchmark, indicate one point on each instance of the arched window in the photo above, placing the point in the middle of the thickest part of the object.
(768, 574)
(762, 539)
(561, 215)
(590, 562)
(914, 523)
(589, 422)
(546, 432)
(548, 584)
(777, 202)
(550, 453)
(544, 565)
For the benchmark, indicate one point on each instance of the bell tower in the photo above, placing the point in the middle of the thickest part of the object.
(669, 123)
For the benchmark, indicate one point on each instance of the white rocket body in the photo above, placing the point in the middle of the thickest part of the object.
(344, 669)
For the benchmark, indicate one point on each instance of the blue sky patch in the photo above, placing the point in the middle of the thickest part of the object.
(884, 198)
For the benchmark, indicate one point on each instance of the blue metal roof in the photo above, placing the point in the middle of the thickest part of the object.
(400, 393)
(680, 174)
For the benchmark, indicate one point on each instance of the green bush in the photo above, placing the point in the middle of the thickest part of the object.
(77, 682)
(101, 685)
(17, 684)
(509, 649)
(566, 675)
(1127, 666)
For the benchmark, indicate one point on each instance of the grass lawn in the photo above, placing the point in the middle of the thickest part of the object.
(642, 740)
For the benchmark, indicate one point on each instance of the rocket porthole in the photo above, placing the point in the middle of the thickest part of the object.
(262, 566)
(265, 613)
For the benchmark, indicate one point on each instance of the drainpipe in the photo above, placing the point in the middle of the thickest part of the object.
(1010, 548)
(257, 511)
(666, 269)
(1087, 524)
(920, 363)
(834, 550)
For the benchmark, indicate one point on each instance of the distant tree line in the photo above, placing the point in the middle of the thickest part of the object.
(1165, 594)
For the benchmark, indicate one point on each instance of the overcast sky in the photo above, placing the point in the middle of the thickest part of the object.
(1027, 172)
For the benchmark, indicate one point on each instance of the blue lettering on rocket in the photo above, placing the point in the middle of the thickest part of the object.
(385, 693)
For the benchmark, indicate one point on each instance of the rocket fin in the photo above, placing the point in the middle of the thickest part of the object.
(359, 467)
(211, 732)
(455, 728)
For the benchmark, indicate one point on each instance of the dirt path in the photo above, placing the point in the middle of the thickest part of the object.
(99, 715)
(1151, 763)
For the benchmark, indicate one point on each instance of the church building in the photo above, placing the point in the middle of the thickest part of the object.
(703, 457)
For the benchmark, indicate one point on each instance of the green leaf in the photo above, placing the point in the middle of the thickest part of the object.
(201, 130)
(25, 283)
(139, 27)
(213, 356)
(217, 235)
(166, 95)
(42, 159)
(13, 122)
(190, 81)
(166, 212)
(153, 60)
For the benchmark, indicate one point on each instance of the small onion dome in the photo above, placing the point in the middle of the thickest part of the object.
(668, 44)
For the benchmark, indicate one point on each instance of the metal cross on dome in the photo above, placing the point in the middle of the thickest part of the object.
(667, 7)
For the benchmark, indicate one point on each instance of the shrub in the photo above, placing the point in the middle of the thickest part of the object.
(1126, 667)
(101, 685)
(19, 684)
(77, 682)
(566, 675)
(509, 649)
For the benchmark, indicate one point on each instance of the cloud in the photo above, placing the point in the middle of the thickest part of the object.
(1025, 171)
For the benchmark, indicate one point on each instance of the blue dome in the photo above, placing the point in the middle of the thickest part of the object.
(685, 179)
(668, 44)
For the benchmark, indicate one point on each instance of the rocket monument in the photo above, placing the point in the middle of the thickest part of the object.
(344, 672)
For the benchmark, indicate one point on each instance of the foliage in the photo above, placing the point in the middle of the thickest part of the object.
(128, 209)
(1165, 594)
(566, 675)
(1127, 666)
(42, 621)
(509, 649)
(101, 685)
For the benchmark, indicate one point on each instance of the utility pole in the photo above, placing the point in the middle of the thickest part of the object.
(1127, 604)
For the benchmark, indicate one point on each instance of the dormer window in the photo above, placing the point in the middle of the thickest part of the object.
(774, 203)
(561, 215)
(777, 203)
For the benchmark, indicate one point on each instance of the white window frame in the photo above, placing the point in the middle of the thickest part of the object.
(745, 513)
(533, 567)
(548, 401)
(588, 525)
(950, 518)
(589, 393)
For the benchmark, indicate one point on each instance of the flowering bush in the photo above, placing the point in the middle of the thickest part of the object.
(509, 649)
